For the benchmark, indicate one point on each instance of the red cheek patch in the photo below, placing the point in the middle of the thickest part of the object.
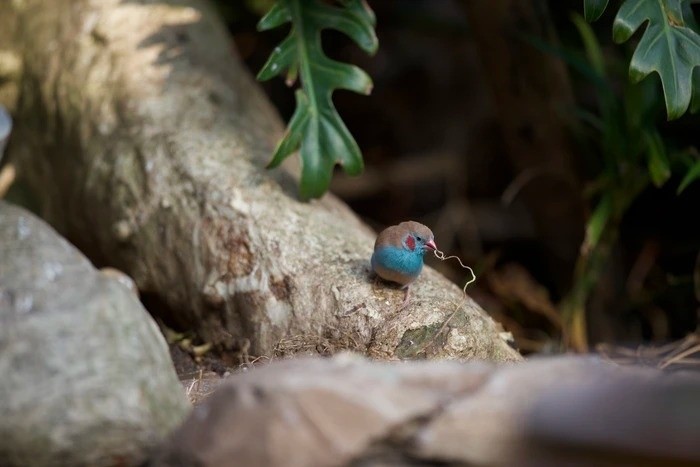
(411, 243)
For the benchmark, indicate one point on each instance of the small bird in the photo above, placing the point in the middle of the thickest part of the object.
(398, 253)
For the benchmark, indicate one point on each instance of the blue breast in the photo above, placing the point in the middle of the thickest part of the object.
(406, 262)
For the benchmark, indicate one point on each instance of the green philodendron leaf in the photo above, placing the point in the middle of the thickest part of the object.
(316, 126)
(669, 46)
(593, 9)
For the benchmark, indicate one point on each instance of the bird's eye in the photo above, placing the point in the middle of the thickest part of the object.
(419, 239)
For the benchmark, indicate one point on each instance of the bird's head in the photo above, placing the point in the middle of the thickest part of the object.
(418, 237)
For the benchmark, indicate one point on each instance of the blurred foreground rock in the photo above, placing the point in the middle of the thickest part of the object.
(85, 375)
(348, 411)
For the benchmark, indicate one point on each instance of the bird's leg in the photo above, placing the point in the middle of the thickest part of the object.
(406, 298)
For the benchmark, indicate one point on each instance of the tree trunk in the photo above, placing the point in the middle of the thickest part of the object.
(145, 139)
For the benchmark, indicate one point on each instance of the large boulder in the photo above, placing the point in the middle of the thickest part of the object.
(85, 375)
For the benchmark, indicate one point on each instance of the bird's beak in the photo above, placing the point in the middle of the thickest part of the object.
(431, 244)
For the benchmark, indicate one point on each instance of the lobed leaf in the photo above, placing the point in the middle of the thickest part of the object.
(669, 46)
(316, 128)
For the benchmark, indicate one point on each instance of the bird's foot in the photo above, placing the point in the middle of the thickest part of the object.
(406, 299)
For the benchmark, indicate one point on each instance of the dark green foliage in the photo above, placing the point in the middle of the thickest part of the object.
(669, 46)
(593, 9)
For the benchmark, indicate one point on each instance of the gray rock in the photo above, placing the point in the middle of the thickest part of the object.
(350, 411)
(85, 375)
